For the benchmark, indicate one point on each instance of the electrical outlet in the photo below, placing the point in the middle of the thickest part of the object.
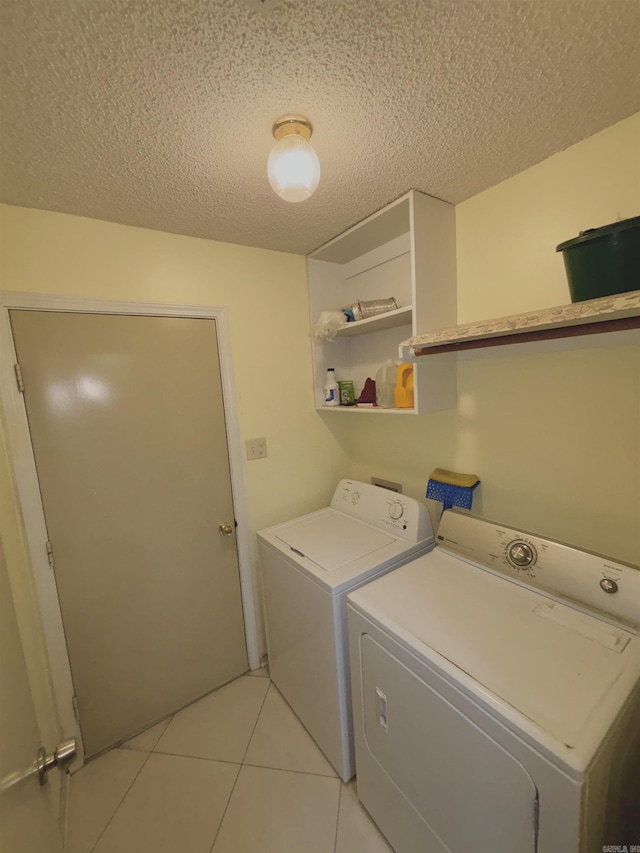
(256, 448)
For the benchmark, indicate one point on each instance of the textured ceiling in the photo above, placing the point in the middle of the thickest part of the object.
(158, 113)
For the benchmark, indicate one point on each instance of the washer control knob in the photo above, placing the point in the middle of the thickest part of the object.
(396, 510)
(608, 585)
(521, 554)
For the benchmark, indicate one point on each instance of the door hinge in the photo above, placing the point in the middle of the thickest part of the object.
(52, 563)
(76, 709)
(19, 380)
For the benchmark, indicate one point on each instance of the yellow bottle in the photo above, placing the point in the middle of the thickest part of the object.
(404, 387)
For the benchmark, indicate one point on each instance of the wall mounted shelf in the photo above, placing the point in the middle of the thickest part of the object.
(390, 320)
(595, 316)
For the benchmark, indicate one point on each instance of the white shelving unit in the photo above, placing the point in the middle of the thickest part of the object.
(405, 251)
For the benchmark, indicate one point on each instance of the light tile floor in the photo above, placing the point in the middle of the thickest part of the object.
(235, 772)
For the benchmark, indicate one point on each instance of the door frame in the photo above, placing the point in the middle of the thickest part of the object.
(28, 489)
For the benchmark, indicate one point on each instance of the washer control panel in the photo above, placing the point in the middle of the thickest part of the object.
(399, 515)
(588, 579)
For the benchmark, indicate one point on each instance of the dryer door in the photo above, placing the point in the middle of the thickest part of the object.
(470, 792)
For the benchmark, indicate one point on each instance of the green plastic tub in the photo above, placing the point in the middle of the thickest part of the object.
(603, 261)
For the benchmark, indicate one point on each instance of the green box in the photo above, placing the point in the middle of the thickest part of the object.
(603, 261)
(347, 394)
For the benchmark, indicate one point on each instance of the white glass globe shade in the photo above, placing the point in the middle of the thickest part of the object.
(293, 168)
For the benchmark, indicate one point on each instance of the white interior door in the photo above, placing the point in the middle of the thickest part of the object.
(28, 822)
(127, 425)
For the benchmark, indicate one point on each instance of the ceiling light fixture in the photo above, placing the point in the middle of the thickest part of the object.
(293, 166)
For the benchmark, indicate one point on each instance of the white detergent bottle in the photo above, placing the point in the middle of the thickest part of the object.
(386, 384)
(331, 393)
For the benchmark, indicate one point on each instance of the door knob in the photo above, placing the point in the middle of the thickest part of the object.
(61, 758)
(225, 528)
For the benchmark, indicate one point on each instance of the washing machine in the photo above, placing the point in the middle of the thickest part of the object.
(307, 567)
(496, 696)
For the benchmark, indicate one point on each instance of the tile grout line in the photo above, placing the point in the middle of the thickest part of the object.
(335, 839)
(244, 764)
(122, 799)
(215, 838)
(196, 757)
(289, 770)
(253, 730)
(233, 787)
(122, 745)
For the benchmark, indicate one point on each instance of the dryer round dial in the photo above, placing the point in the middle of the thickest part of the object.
(396, 510)
(520, 554)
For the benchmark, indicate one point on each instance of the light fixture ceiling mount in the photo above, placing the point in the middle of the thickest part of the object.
(293, 166)
(286, 125)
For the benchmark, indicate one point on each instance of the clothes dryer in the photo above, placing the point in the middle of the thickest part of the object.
(496, 696)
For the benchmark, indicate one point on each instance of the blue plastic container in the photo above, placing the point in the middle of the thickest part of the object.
(449, 495)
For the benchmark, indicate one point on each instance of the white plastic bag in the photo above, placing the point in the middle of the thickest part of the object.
(327, 325)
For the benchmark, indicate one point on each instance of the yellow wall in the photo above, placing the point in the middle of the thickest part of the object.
(507, 235)
(266, 295)
(554, 436)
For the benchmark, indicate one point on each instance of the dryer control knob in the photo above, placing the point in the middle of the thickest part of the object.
(520, 555)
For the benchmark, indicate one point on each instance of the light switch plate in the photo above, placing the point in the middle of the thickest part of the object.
(256, 448)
